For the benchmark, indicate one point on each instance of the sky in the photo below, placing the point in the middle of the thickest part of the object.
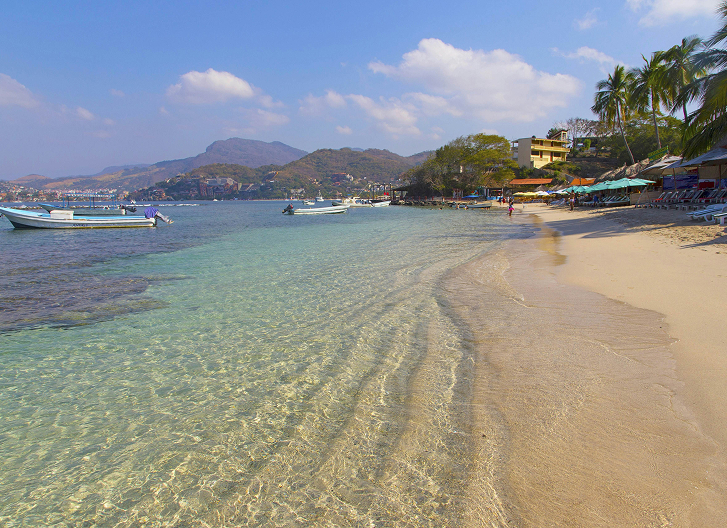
(86, 85)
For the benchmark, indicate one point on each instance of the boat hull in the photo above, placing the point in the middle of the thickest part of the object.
(337, 209)
(34, 220)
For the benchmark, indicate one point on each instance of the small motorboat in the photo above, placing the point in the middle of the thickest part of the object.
(67, 219)
(335, 209)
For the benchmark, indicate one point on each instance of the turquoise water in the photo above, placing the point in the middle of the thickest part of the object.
(239, 367)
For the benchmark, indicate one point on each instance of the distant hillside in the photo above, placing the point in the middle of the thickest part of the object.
(36, 181)
(247, 152)
(372, 164)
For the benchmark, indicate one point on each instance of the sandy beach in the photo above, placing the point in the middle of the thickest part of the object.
(659, 260)
(610, 377)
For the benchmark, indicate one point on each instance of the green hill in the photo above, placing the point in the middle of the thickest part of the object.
(330, 172)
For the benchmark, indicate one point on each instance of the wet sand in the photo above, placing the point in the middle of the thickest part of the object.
(595, 401)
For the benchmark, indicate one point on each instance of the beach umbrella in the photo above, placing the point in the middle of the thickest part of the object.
(601, 186)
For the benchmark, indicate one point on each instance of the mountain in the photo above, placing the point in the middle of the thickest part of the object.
(372, 164)
(248, 152)
(36, 181)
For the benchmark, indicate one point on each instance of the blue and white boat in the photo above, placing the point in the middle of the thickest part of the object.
(67, 219)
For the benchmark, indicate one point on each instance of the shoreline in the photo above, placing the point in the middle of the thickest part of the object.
(590, 403)
(673, 268)
(648, 288)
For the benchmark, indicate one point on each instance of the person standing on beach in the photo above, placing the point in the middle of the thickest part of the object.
(572, 200)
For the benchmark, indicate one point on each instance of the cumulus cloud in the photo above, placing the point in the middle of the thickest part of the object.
(661, 12)
(264, 119)
(12, 93)
(85, 114)
(584, 53)
(209, 87)
(345, 130)
(588, 21)
(490, 85)
(315, 106)
(392, 116)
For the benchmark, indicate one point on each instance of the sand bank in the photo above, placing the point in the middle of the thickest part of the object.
(659, 260)
(596, 400)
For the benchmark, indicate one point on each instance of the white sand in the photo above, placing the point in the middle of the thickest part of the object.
(661, 261)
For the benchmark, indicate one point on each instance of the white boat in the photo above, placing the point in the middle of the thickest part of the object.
(309, 202)
(64, 219)
(319, 198)
(335, 209)
(353, 202)
(383, 203)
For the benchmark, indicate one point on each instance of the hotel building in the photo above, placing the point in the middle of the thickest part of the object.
(533, 152)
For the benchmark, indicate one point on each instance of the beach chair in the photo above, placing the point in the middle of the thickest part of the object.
(707, 214)
(720, 217)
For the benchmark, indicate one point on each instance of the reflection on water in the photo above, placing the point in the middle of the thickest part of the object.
(302, 371)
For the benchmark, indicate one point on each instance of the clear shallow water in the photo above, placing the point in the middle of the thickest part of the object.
(240, 367)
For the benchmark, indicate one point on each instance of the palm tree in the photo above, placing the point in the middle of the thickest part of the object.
(650, 90)
(611, 100)
(708, 124)
(682, 71)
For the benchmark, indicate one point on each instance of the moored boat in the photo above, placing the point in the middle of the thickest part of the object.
(335, 209)
(67, 219)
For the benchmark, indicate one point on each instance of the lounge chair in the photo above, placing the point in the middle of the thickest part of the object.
(707, 214)
(721, 217)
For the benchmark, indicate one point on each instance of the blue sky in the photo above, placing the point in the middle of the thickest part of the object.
(85, 85)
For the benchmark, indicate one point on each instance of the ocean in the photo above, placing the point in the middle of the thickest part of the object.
(241, 367)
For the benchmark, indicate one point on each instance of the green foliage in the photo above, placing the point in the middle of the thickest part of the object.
(466, 163)
(587, 144)
(563, 166)
(641, 136)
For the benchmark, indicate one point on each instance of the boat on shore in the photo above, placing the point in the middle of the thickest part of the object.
(67, 219)
(334, 209)
(380, 203)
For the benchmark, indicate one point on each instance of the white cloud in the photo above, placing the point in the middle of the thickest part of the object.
(12, 93)
(392, 115)
(588, 21)
(345, 130)
(109, 122)
(432, 105)
(489, 85)
(209, 87)
(85, 114)
(116, 93)
(268, 102)
(263, 118)
(661, 12)
(315, 106)
(589, 54)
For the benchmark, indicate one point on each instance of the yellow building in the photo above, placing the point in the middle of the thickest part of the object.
(533, 152)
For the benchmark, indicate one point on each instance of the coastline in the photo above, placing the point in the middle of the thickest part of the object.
(676, 269)
(597, 400)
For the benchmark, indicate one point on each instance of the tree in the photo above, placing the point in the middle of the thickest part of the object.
(577, 127)
(650, 89)
(641, 136)
(682, 71)
(466, 163)
(708, 124)
(611, 100)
